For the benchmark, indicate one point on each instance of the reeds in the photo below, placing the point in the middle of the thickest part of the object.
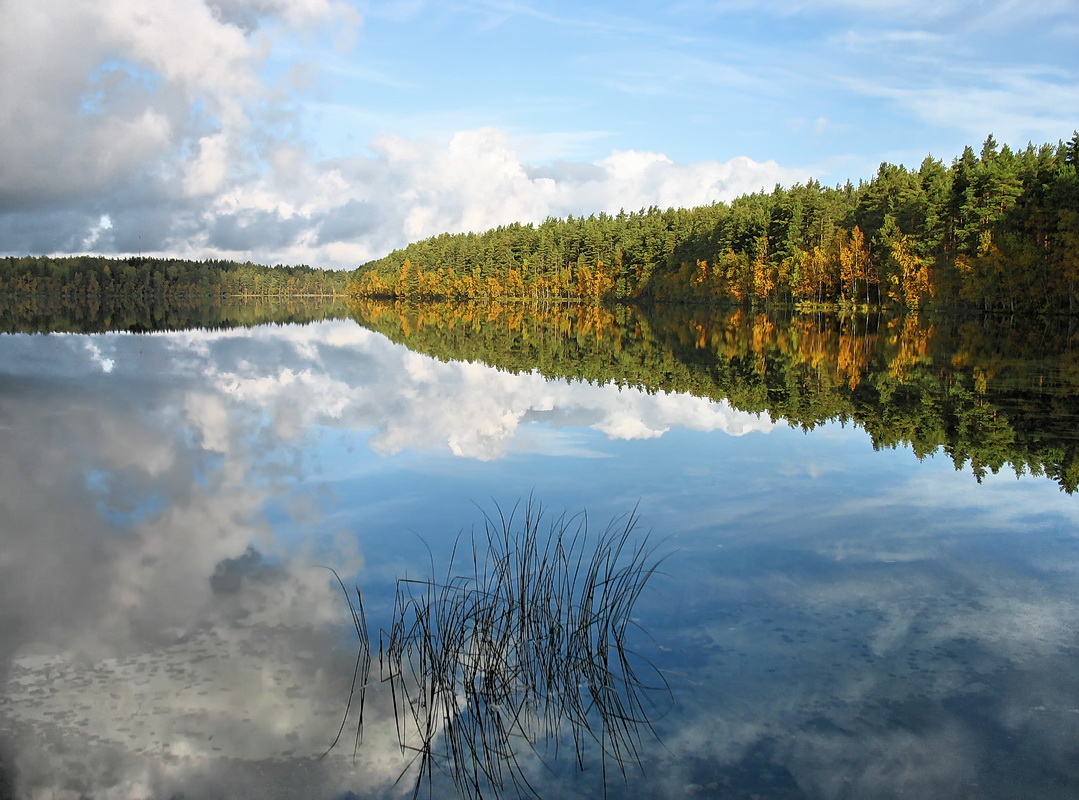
(521, 650)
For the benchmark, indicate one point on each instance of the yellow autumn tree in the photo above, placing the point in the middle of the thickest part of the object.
(764, 273)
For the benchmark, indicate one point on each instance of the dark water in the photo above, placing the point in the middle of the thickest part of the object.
(861, 597)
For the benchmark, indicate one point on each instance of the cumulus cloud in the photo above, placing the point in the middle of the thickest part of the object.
(112, 92)
(345, 211)
(161, 120)
(116, 107)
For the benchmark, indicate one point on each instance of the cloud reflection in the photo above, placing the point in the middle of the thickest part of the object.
(157, 637)
(896, 630)
(892, 633)
(342, 376)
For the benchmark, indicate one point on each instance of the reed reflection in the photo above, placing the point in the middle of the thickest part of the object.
(523, 648)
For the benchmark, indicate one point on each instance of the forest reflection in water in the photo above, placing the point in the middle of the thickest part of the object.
(990, 391)
(837, 618)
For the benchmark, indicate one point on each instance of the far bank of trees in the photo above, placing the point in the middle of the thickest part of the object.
(79, 278)
(996, 229)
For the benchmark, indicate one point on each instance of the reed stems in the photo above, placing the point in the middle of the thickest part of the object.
(519, 650)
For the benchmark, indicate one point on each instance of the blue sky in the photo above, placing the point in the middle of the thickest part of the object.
(813, 85)
(329, 132)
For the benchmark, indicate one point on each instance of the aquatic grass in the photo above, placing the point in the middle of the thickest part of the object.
(520, 649)
(361, 671)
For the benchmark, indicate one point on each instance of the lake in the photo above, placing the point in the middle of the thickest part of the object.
(867, 527)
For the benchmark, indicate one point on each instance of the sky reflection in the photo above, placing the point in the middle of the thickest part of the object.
(837, 622)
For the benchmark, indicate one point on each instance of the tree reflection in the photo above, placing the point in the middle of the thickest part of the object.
(990, 392)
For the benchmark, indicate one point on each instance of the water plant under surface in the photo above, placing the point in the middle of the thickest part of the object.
(520, 652)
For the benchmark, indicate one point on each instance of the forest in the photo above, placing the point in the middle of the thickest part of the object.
(990, 393)
(77, 278)
(994, 230)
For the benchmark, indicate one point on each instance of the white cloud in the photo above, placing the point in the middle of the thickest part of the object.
(137, 111)
(1016, 109)
(103, 224)
(973, 13)
(111, 93)
(346, 211)
(478, 182)
(159, 118)
(182, 121)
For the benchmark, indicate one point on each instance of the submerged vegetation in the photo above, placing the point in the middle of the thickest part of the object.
(521, 650)
(998, 229)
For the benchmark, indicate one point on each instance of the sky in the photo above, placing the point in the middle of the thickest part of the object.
(329, 132)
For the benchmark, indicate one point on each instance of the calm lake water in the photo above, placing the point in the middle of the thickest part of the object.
(836, 617)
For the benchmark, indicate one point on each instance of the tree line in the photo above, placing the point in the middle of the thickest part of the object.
(79, 278)
(997, 229)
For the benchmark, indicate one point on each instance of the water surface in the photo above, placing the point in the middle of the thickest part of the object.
(834, 619)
